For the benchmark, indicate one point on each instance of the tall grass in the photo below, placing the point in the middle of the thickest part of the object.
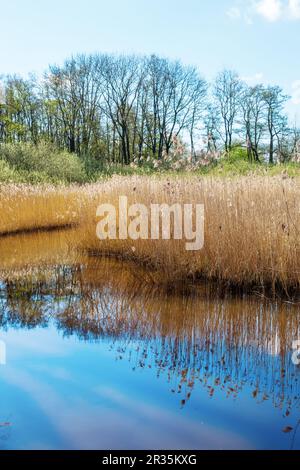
(27, 208)
(252, 228)
(252, 225)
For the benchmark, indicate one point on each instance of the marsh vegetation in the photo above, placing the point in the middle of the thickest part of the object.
(160, 341)
(101, 114)
(251, 234)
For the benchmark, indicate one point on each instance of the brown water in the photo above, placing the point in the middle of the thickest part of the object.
(100, 356)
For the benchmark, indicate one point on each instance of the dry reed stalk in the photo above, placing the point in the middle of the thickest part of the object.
(252, 228)
(252, 224)
(26, 208)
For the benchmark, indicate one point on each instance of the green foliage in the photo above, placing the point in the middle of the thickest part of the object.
(43, 162)
(236, 155)
(236, 162)
(124, 170)
(37, 177)
(7, 174)
(244, 168)
(93, 164)
(27, 163)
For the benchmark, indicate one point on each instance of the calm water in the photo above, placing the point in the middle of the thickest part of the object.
(98, 358)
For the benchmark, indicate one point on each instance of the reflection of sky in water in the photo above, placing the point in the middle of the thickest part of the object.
(65, 393)
(93, 361)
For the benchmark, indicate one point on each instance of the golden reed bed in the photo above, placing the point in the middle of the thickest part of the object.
(252, 225)
(28, 208)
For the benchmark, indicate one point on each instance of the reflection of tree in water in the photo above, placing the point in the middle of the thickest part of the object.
(30, 300)
(211, 342)
(221, 343)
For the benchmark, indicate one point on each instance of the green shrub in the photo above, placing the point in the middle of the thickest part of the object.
(241, 168)
(44, 159)
(37, 177)
(7, 174)
(237, 154)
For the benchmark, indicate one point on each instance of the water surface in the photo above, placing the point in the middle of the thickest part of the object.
(100, 357)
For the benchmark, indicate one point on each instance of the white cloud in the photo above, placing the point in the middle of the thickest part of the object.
(296, 92)
(270, 10)
(294, 9)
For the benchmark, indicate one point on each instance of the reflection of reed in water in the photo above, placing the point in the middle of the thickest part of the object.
(222, 343)
(23, 253)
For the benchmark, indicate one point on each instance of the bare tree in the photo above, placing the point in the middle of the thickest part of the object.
(212, 128)
(123, 108)
(20, 110)
(253, 108)
(227, 91)
(275, 100)
(73, 93)
(121, 78)
(175, 102)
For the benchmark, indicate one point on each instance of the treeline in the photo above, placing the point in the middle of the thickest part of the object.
(122, 109)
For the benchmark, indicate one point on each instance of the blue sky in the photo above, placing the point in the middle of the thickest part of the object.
(258, 38)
